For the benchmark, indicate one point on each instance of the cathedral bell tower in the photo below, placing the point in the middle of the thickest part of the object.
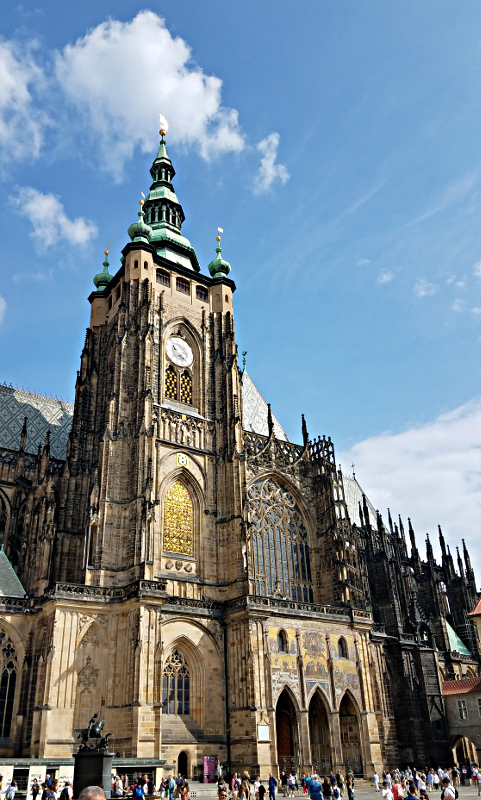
(157, 426)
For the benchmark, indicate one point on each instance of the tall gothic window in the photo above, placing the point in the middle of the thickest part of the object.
(176, 685)
(281, 553)
(8, 680)
(178, 521)
(171, 383)
(15, 540)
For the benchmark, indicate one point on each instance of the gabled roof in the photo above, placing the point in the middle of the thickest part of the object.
(10, 585)
(255, 410)
(476, 612)
(455, 643)
(465, 686)
(43, 414)
(353, 494)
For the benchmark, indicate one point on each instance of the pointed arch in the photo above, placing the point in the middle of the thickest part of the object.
(193, 660)
(287, 729)
(178, 518)
(10, 666)
(320, 731)
(4, 516)
(350, 730)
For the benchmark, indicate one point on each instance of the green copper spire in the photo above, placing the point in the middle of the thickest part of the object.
(140, 231)
(102, 279)
(219, 268)
(164, 214)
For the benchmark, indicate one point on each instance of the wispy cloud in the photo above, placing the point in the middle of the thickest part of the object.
(101, 74)
(49, 221)
(452, 194)
(385, 276)
(269, 171)
(22, 123)
(459, 305)
(431, 473)
(3, 308)
(423, 288)
(477, 269)
(363, 262)
(476, 311)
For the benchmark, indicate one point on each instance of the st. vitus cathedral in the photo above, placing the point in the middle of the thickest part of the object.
(172, 560)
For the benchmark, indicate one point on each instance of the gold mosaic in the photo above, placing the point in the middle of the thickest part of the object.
(178, 521)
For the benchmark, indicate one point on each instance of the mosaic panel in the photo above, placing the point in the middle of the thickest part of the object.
(178, 521)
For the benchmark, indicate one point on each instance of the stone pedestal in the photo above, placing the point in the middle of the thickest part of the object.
(92, 769)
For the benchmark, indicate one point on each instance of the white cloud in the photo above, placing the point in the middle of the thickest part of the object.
(477, 269)
(460, 284)
(431, 473)
(476, 310)
(362, 262)
(385, 276)
(120, 76)
(269, 172)
(3, 308)
(21, 123)
(49, 220)
(458, 305)
(423, 288)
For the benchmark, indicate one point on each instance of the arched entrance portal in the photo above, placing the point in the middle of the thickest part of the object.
(350, 736)
(464, 751)
(286, 734)
(182, 764)
(320, 735)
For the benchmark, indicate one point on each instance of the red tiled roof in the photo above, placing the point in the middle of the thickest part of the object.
(465, 686)
(477, 609)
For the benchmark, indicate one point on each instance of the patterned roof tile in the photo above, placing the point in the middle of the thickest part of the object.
(43, 414)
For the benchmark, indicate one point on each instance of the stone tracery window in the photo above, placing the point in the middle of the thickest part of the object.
(281, 553)
(178, 520)
(8, 680)
(176, 685)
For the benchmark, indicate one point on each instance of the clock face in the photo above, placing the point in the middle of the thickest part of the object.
(179, 351)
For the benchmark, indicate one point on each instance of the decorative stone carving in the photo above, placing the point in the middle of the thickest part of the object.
(88, 676)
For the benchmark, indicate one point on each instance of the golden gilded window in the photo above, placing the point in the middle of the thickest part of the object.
(186, 387)
(178, 521)
(171, 383)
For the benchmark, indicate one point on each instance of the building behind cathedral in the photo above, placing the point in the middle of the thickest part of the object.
(172, 560)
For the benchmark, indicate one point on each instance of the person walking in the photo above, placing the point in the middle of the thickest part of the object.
(273, 782)
(315, 788)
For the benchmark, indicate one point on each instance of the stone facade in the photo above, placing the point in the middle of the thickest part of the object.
(199, 579)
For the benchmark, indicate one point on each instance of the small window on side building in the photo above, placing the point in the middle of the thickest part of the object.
(183, 286)
(202, 294)
(162, 277)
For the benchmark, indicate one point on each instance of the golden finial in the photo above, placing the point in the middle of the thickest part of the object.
(217, 238)
(106, 252)
(141, 202)
(162, 132)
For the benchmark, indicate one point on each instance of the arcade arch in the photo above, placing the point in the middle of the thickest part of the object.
(320, 734)
(287, 733)
(350, 735)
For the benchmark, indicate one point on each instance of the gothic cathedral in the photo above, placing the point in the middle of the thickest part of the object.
(178, 564)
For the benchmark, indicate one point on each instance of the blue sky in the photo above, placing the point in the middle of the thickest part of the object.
(337, 144)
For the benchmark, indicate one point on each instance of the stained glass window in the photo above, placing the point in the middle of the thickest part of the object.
(176, 685)
(8, 680)
(281, 553)
(186, 387)
(171, 383)
(178, 521)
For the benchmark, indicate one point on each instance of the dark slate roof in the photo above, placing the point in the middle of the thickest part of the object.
(43, 413)
(10, 586)
(353, 494)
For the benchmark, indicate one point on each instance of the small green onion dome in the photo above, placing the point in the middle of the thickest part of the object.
(102, 279)
(140, 231)
(219, 268)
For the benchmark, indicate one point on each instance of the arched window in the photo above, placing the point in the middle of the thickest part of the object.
(171, 382)
(282, 642)
(178, 521)
(3, 520)
(15, 540)
(186, 387)
(8, 680)
(343, 651)
(176, 685)
(281, 553)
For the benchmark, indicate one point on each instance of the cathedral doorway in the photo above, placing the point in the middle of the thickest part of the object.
(182, 764)
(286, 733)
(350, 736)
(319, 735)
